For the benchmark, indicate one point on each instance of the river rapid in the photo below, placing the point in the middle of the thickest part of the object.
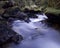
(36, 34)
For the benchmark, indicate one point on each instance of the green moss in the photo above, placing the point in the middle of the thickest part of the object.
(52, 10)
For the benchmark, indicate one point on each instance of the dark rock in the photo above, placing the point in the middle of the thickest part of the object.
(14, 13)
(7, 34)
(53, 17)
(17, 38)
(31, 13)
(1, 17)
(8, 4)
(11, 12)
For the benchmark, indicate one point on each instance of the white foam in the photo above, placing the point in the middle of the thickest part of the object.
(40, 18)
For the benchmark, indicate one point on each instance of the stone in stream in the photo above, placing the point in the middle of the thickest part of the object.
(7, 35)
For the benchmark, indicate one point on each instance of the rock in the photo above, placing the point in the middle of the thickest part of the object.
(8, 4)
(11, 12)
(17, 38)
(7, 34)
(1, 17)
(14, 13)
(31, 13)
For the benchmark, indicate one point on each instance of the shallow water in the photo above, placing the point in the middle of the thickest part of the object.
(36, 34)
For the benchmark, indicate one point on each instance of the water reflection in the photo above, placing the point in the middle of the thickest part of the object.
(36, 34)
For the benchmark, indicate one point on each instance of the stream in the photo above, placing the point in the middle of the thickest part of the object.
(36, 34)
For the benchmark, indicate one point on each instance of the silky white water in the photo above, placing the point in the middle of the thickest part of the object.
(36, 34)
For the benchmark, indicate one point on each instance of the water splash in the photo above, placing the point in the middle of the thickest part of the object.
(40, 18)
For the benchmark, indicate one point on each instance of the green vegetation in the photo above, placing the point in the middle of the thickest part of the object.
(52, 10)
(52, 6)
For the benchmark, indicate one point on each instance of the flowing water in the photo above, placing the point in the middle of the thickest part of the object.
(36, 34)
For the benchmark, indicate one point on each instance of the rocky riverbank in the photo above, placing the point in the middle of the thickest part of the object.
(8, 15)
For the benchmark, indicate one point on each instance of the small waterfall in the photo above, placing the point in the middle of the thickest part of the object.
(21, 26)
(36, 34)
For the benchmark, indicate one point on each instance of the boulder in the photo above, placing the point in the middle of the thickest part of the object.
(7, 34)
(8, 4)
(14, 13)
(31, 13)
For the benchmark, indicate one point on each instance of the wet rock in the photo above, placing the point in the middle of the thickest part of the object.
(31, 13)
(13, 13)
(17, 38)
(7, 34)
(26, 10)
(1, 17)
